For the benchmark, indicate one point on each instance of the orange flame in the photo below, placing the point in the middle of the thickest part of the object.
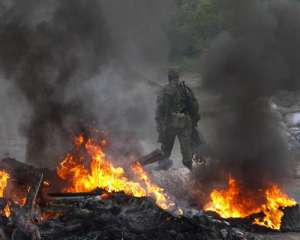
(21, 201)
(238, 202)
(16, 197)
(276, 200)
(152, 189)
(46, 183)
(99, 172)
(6, 211)
(17, 194)
(4, 176)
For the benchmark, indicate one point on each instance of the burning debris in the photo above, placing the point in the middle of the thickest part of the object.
(245, 66)
(4, 176)
(26, 218)
(98, 199)
(239, 202)
(116, 215)
(90, 195)
(89, 168)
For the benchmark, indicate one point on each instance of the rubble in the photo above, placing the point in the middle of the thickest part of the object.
(291, 220)
(24, 173)
(125, 217)
(103, 215)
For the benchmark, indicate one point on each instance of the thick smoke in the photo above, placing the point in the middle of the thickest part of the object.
(246, 65)
(80, 63)
(44, 56)
(131, 80)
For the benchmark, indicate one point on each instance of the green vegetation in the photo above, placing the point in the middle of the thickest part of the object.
(195, 24)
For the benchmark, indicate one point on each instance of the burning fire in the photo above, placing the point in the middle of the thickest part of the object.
(238, 202)
(152, 189)
(6, 211)
(4, 176)
(276, 200)
(17, 197)
(97, 171)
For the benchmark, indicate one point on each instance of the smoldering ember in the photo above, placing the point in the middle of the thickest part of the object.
(149, 119)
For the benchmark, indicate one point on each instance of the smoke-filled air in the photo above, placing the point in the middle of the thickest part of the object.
(150, 119)
(80, 64)
(247, 64)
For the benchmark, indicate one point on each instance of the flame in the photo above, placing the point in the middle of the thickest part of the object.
(238, 202)
(46, 183)
(6, 211)
(15, 197)
(276, 200)
(79, 140)
(99, 172)
(17, 194)
(4, 176)
(152, 189)
(21, 201)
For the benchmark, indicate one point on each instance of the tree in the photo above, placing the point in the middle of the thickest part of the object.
(195, 24)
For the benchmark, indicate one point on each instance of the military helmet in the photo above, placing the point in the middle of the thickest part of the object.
(173, 74)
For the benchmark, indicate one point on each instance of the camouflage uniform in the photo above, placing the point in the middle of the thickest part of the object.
(177, 114)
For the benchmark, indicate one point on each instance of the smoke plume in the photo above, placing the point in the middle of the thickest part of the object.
(128, 85)
(79, 63)
(246, 65)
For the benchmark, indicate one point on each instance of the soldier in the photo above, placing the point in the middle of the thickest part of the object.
(177, 114)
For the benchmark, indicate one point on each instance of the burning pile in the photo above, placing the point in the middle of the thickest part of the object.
(90, 178)
(89, 213)
(88, 168)
(13, 196)
(4, 176)
(239, 202)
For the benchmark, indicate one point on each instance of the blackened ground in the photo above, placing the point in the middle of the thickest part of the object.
(124, 217)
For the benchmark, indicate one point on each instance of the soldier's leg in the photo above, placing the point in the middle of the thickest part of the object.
(168, 142)
(185, 140)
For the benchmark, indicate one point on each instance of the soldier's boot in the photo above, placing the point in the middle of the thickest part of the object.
(164, 165)
(188, 163)
(186, 151)
(186, 147)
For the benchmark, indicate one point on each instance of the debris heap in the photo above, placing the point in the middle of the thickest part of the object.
(103, 215)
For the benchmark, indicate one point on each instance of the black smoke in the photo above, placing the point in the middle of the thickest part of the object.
(125, 91)
(256, 56)
(46, 50)
(81, 63)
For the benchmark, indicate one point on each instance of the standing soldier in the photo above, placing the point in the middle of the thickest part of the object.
(177, 114)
